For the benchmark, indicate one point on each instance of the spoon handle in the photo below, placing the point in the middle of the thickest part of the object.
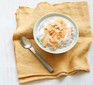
(48, 67)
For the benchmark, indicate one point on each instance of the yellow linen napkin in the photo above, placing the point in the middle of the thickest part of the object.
(28, 66)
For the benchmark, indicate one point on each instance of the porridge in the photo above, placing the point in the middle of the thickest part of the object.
(55, 33)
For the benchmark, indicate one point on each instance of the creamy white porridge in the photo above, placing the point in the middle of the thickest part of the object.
(55, 33)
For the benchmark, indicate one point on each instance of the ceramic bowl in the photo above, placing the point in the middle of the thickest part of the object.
(58, 51)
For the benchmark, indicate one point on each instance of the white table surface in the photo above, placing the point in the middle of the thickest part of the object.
(8, 73)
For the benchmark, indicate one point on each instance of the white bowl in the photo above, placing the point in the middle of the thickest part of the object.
(58, 51)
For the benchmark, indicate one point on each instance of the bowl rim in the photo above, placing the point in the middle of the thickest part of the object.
(72, 21)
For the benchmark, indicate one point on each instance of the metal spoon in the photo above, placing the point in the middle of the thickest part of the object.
(27, 44)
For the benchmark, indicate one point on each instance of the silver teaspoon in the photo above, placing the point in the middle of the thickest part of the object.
(27, 44)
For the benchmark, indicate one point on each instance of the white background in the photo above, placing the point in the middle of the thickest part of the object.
(8, 73)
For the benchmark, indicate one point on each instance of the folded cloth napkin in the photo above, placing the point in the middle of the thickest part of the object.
(28, 66)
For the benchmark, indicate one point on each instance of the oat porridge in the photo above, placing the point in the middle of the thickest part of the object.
(55, 33)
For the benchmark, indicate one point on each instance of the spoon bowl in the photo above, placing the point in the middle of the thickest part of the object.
(25, 42)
